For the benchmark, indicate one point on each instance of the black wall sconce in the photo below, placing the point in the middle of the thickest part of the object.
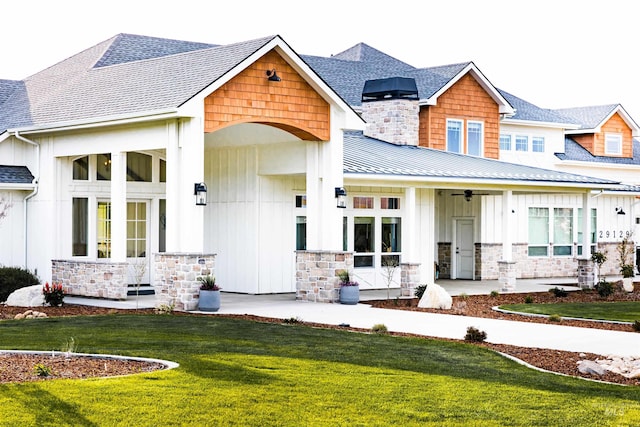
(620, 211)
(341, 197)
(200, 191)
(272, 76)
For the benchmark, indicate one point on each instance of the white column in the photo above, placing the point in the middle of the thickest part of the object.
(173, 231)
(586, 225)
(119, 206)
(313, 197)
(428, 236)
(507, 225)
(410, 227)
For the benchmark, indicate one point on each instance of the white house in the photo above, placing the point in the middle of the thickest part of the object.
(158, 161)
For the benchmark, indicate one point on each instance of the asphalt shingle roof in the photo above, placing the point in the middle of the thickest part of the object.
(15, 175)
(576, 152)
(364, 155)
(588, 117)
(529, 112)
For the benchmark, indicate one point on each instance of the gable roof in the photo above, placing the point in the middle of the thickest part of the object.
(368, 156)
(576, 152)
(591, 118)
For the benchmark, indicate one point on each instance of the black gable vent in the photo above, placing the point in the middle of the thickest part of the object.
(391, 88)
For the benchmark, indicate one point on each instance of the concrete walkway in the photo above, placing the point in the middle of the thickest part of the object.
(284, 306)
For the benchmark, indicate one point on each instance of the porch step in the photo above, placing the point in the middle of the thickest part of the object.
(143, 290)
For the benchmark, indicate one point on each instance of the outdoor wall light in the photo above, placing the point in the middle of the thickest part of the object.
(272, 76)
(620, 211)
(341, 197)
(200, 191)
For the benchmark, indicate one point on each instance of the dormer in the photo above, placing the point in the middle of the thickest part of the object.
(605, 130)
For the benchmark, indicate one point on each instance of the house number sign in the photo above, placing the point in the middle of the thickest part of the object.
(613, 234)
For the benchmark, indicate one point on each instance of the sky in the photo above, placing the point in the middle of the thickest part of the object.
(552, 53)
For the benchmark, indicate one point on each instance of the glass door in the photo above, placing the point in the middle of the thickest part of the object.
(137, 242)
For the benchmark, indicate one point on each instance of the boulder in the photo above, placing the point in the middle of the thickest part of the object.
(590, 367)
(435, 297)
(31, 296)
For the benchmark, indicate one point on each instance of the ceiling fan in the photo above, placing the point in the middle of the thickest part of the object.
(468, 194)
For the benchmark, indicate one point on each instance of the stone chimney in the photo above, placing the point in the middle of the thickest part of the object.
(390, 108)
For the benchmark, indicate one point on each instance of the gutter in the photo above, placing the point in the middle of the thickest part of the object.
(29, 196)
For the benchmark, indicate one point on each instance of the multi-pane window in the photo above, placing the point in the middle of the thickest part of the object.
(594, 221)
(612, 143)
(360, 202)
(104, 230)
(103, 167)
(474, 138)
(79, 217)
(454, 136)
(138, 167)
(522, 143)
(390, 241)
(363, 231)
(389, 203)
(505, 142)
(136, 229)
(537, 144)
(538, 231)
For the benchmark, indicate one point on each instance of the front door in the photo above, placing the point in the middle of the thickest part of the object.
(137, 242)
(464, 249)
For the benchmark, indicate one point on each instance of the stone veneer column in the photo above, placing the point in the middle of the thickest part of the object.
(394, 120)
(98, 279)
(176, 278)
(317, 274)
(409, 278)
(507, 275)
(586, 273)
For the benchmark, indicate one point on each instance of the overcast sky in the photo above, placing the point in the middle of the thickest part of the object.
(553, 53)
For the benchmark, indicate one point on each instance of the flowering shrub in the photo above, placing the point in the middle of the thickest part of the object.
(345, 279)
(53, 294)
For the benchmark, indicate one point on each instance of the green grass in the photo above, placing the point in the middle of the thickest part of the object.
(626, 311)
(235, 372)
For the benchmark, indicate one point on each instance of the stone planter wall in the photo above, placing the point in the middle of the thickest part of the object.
(176, 278)
(409, 278)
(317, 274)
(98, 279)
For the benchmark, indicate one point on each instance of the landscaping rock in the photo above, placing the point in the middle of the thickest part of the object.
(435, 297)
(31, 296)
(591, 367)
(30, 314)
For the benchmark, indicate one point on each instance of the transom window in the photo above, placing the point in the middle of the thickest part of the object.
(81, 168)
(360, 202)
(612, 143)
(389, 203)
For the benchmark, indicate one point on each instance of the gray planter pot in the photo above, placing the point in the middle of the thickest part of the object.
(349, 294)
(209, 300)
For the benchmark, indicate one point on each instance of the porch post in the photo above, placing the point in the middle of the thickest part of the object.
(118, 206)
(428, 220)
(506, 267)
(586, 225)
(172, 190)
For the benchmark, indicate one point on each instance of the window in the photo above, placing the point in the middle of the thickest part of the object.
(104, 230)
(538, 231)
(360, 202)
(81, 169)
(612, 143)
(522, 143)
(103, 172)
(79, 216)
(474, 138)
(363, 232)
(594, 222)
(301, 233)
(505, 142)
(454, 136)
(138, 167)
(390, 241)
(562, 231)
(537, 144)
(301, 201)
(389, 203)
(163, 170)
(162, 225)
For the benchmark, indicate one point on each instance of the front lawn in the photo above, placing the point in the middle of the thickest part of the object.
(238, 372)
(624, 311)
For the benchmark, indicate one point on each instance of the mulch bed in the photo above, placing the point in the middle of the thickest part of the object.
(562, 362)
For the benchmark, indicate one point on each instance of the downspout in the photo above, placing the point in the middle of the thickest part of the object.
(35, 181)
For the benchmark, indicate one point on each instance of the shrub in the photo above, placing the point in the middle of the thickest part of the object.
(13, 278)
(528, 299)
(419, 291)
(475, 335)
(604, 288)
(494, 294)
(463, 296)
(53, 294)
(379, 329)
(636, 325)
(292, 320)
(42, 370)
(558, 292)
(555, 318)
(165, 308)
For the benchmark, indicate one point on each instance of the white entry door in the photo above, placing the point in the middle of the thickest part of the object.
(464, 253)
(137, 242)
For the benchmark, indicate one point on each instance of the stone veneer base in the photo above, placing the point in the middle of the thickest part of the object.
(317, 274)
(176, 278)
(98, 279)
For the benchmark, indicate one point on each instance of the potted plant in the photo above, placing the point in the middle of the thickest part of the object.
(349, 290)
(209, 299)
